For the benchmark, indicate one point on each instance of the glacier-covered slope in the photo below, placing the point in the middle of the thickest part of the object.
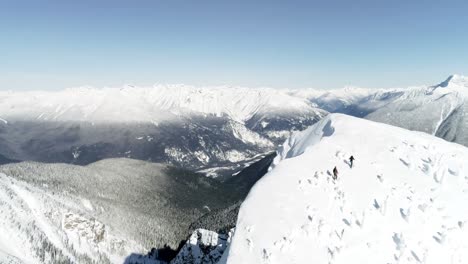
(402, 202)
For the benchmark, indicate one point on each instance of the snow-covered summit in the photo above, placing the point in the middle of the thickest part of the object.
(455, 80)
(402, 202)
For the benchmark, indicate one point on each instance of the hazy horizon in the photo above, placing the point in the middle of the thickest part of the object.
(156, 84)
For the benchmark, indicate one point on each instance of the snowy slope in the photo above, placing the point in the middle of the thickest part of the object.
(402, 202)
(105, 212)
(37, 227)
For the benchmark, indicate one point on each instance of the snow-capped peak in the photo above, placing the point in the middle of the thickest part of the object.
(402, 201)
(455, 80)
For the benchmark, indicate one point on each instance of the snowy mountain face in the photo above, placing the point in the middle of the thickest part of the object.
(116, 211)
(99, 213)
(402, 201)
(215, 130)
(439, 110)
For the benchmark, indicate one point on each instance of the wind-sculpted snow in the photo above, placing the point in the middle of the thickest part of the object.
(403, 201)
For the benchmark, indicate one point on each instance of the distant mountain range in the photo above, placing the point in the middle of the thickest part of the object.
(214, 130)
(210, 129)
(440, 109)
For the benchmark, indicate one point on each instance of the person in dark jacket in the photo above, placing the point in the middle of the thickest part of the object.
(335, 173)
(351, 159)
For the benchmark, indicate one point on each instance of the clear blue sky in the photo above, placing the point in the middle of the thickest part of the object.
(320, 44)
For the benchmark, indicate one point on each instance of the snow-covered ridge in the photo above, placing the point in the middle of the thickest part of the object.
(402, 202)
